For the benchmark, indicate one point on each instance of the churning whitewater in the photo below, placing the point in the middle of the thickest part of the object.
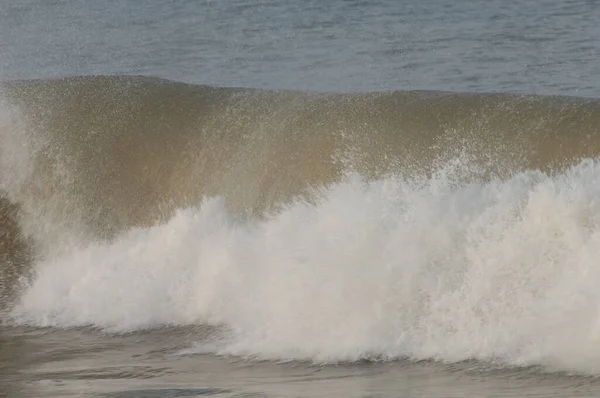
(504, 271)
(320, 227)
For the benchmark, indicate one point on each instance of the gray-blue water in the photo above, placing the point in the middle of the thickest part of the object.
(546, 46)
(535, 47)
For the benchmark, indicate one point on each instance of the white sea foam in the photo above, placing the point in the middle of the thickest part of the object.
(507, 271)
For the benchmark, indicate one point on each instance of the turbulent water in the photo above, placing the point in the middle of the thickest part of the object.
(242, 198)
(299, 226)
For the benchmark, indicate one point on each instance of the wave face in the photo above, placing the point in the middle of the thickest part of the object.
(327, 227)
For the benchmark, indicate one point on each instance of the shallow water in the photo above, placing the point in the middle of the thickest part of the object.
(78, 363)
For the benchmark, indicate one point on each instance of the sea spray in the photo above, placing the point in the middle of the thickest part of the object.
(504, 271)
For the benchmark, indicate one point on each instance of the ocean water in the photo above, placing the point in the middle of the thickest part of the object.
(298, 199)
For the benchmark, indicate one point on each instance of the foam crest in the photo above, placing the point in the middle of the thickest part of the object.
(504, 271)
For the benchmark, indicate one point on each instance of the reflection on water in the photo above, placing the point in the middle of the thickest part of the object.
(73, 363)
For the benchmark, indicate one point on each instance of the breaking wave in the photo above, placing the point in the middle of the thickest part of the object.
(325, 227)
